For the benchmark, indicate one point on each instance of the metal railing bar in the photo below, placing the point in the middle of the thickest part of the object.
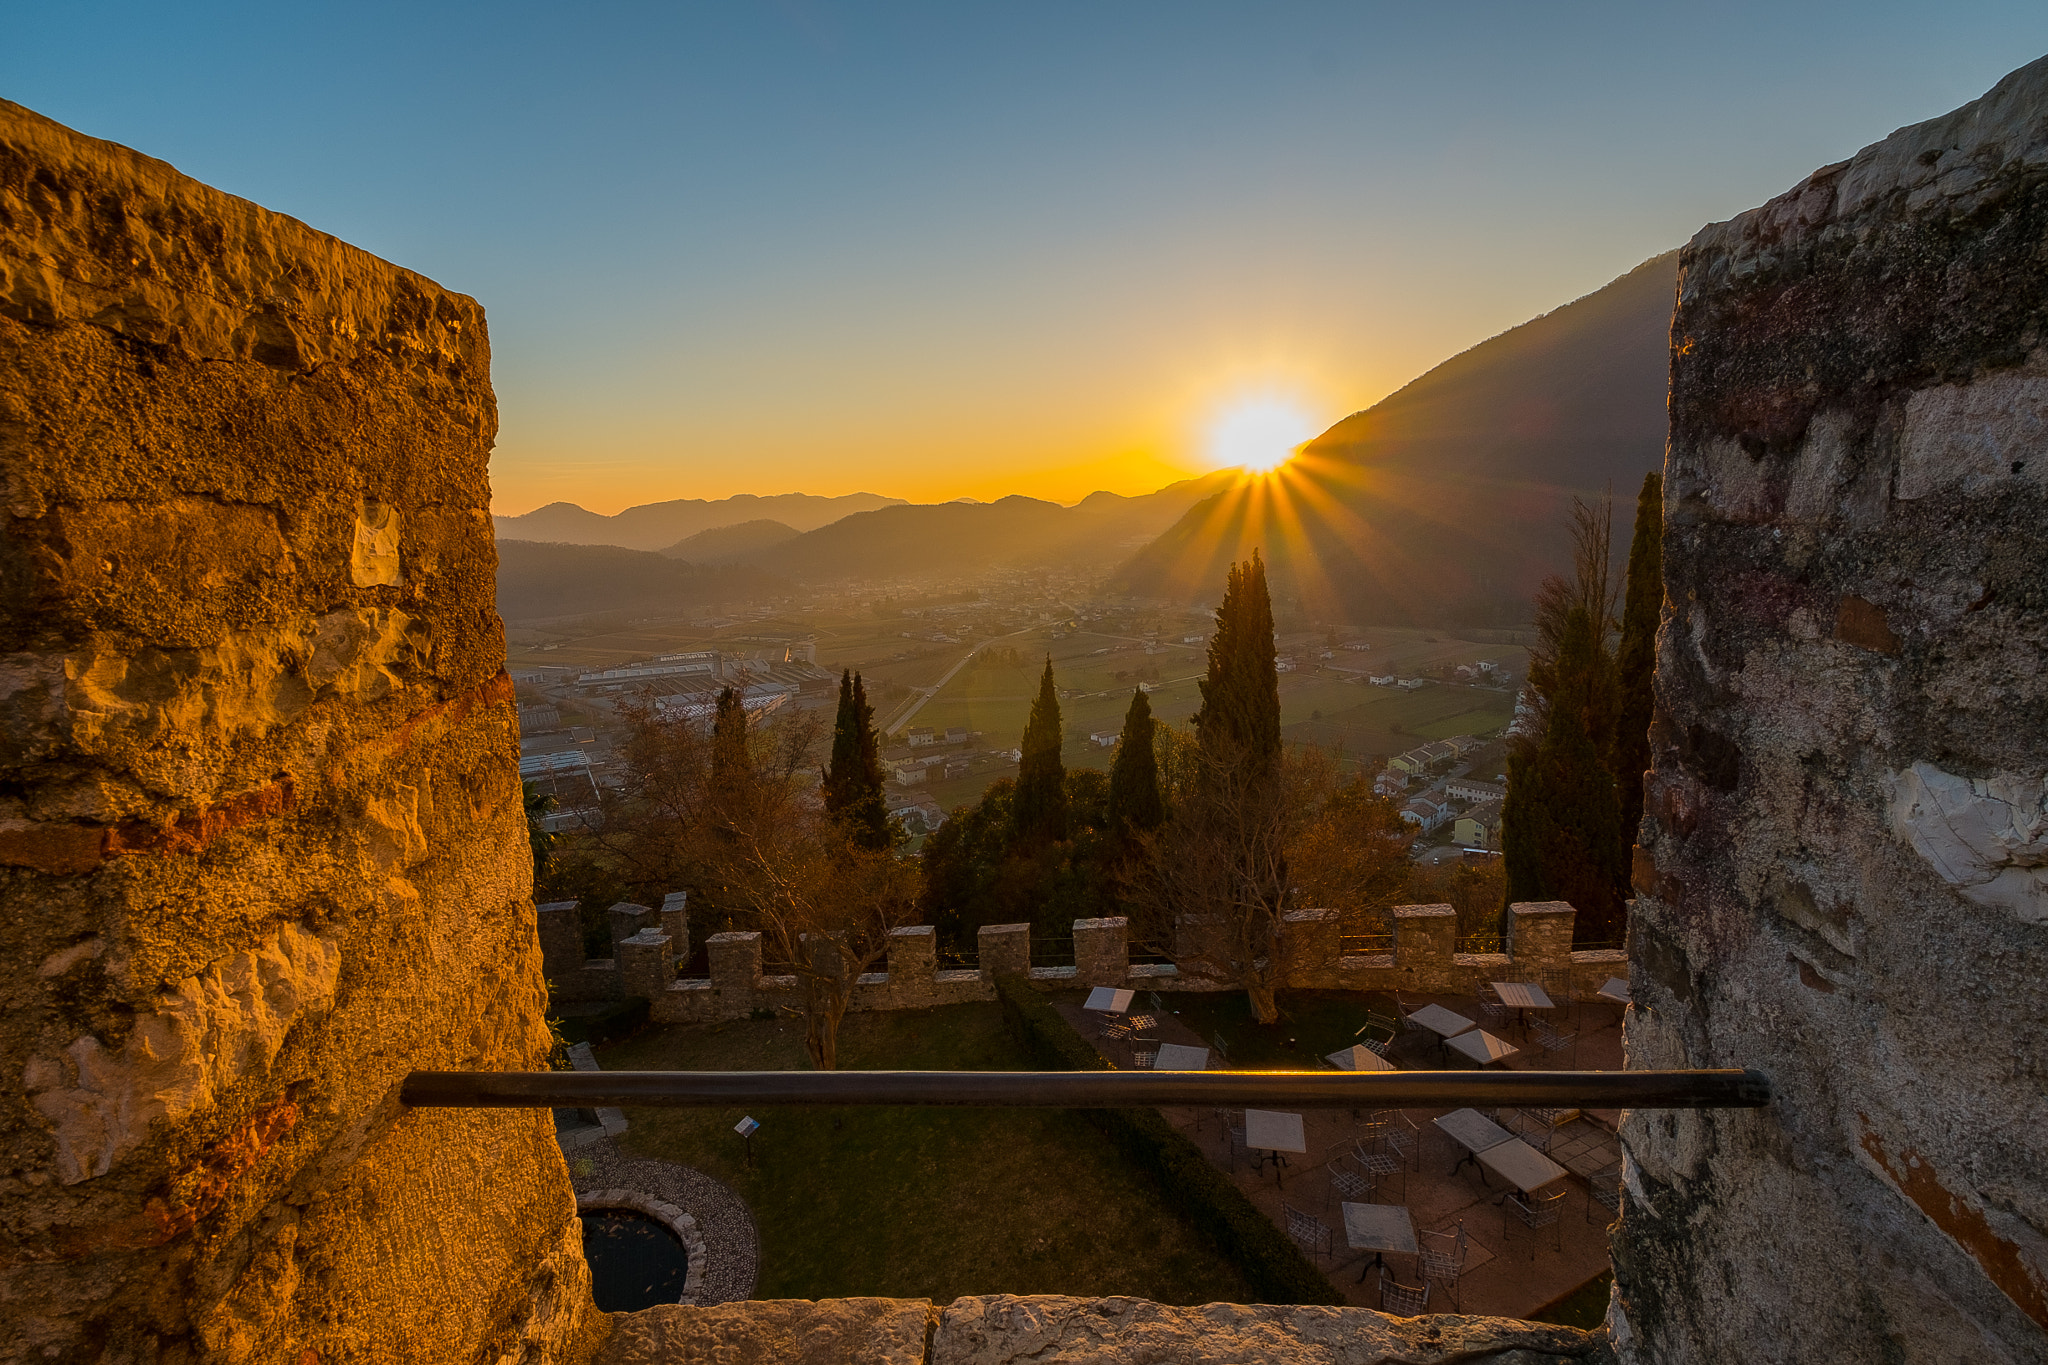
(1719, 1089)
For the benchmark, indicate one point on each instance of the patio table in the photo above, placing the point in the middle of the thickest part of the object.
(1615, 988)
(1273, 1135)
(1474, 1132)
(1521, 1165)
(1181, 1057)
(1521, 997)
(1360, 1058)
(1482, 1047)
(1441, 1021)
(1378, 1228)
(1108, 1000)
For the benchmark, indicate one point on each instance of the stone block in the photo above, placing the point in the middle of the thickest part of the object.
(913, 961)
(675, 922)
(561, 936)
(1009, 1329)
(626, 920)
(773, 1332)
(735, 962)
(1102, 951)
(647, 964)
(1314, 943)
(1005, 950)
(1540, 935)
(1425, 937)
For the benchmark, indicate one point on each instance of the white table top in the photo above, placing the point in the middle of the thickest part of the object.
(1616, 989)
(1361, 1058)
(1181, 1057)
(1441, 1021)
(1473, 1131)
(1482, 1047)
(1108, 1000)
(1379, 1227)
(1521, 1165)
(1271, 1132)
(1523, 995)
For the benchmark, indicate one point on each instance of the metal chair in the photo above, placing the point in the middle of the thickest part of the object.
(1603, 1188)
(1557, 984)
(1143, 1057)
(1553, 1041)
(1137, 1023)
(1536, 1126)
(1347, 1183)
(1400, 1135)
(1233, 1127)
(1374, 1161)
(1533, 1212)
(1497, 1015)
(1403, 1300)
(1310, 1233)
(1441, 1257)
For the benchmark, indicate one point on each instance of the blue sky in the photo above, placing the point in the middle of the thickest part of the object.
(966, 249)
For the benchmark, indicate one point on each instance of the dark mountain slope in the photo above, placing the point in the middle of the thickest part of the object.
(1443, 503)
(651, 526)
(540, 582)
(722, 543)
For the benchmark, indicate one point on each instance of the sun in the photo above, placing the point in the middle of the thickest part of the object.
(1259, 433)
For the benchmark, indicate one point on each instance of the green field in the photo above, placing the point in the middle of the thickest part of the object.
(916, 1203)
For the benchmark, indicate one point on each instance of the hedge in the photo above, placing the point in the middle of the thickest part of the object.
(1209, 1200)
(616, 1020)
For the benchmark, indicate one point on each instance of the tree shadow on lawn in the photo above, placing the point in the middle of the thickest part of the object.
(922, 1202)
(1312, 1025)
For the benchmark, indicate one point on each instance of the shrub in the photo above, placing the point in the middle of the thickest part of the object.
(619, 1019)
(1276, 1269)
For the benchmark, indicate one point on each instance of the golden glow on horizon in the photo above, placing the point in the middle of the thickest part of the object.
(1259, 432)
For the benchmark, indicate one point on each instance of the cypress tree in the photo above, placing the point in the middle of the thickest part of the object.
(853, 782)
(839, 771)
(1240, 717)
(1134, 800)
(1637, 658)
(1039, 810)
(728, 737)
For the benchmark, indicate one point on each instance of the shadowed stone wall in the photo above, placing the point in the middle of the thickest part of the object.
(262, 849)
(1844, 878)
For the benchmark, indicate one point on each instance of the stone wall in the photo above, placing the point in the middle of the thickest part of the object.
(262, 849)
(1425, 960)
(1845, 842)
(1045, 1329)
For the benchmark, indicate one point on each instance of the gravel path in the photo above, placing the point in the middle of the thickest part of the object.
(732, 1247)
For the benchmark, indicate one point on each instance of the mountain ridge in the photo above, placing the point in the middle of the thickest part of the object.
(657, 525)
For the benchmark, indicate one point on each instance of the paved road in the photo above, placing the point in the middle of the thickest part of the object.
(916, 704)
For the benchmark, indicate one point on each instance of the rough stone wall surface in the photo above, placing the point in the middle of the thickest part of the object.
(262, 848)
(1845, 836)
(1004, 1329)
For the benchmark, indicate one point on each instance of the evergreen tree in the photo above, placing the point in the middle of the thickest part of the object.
(728, 738)
(853, 782)
(1637, 657)
(1561, 833)
(1040, 807)
(1134, 800)
(1239, 722)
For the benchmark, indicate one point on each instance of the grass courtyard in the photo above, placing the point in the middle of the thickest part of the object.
(923, 1202)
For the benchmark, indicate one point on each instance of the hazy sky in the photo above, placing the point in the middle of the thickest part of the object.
(963, 248)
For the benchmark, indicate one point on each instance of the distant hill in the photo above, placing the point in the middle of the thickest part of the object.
(721, 543)
(540, 582)
(940, 540)
(654, 525)
(1444, 503)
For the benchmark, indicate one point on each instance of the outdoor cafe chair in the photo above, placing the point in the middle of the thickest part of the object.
(1401, 1136)
(1142, 1058)
(1534, 1213)
(1375, 1162)
(1553, 1041)
(1441, 1257)
(1347, 1185)
(1603, 1188)
(1403, 1300)
(1497, 1015)
(1310, 1233)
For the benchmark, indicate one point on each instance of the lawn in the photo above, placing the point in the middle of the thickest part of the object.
(922, 1203)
